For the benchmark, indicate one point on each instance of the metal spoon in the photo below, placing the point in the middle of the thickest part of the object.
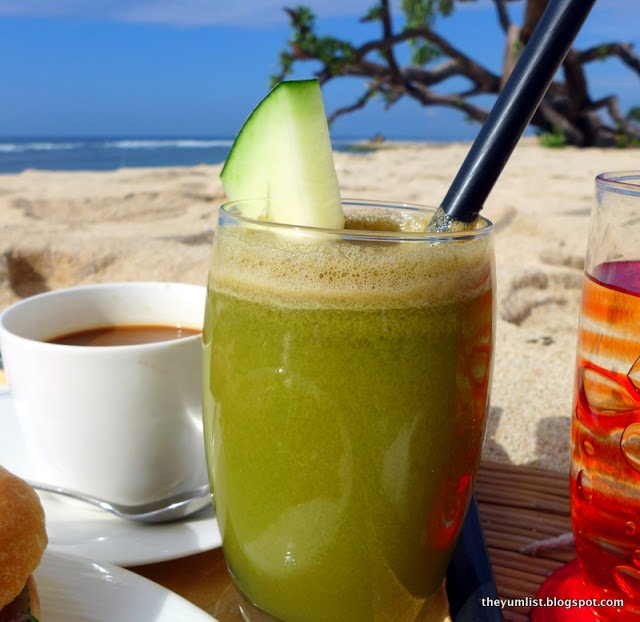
(165, 510)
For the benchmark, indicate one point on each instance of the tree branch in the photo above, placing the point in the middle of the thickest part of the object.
(469, 67)
(503, 15)
(433, 75)
(610, 103)
(532, 14)
(624, 51)
(361, 102)
(429, 98)
(566, 108)
(549, 118)
(576, 83)
(511, 53)
(364, 69)
(387, 33)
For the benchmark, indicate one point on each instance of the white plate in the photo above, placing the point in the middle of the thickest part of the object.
(81, 529)
(74, 589)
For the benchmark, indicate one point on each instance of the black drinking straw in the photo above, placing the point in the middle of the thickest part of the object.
(512, 110)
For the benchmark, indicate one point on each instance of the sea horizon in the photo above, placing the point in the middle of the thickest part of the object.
(102, 153)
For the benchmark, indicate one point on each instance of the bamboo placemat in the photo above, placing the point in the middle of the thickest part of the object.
(519, 505)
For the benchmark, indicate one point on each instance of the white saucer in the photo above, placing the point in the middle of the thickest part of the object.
(81, 529)
(74, 588)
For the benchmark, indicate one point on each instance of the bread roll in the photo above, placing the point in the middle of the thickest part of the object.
(23, 538)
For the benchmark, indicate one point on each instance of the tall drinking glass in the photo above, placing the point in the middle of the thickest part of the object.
(605, 474)
(346, 382)
(605, 436)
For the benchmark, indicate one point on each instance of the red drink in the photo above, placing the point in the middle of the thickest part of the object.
(605, 472)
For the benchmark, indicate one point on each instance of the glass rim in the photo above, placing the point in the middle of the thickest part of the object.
(230, 209)
(620, 181)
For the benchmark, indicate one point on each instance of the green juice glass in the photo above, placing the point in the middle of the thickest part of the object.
(346, 385)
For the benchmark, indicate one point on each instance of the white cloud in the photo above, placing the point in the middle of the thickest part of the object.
(180, 12)
(608, 19)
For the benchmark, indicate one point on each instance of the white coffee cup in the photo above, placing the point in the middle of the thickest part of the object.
(119, 422)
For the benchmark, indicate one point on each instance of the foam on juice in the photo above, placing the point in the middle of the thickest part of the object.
(320, 270)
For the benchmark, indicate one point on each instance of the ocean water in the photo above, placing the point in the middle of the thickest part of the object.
(82, 154)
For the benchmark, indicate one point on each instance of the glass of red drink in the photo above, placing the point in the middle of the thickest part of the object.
(605, 435)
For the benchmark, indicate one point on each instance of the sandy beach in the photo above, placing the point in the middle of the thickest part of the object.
(59, 229)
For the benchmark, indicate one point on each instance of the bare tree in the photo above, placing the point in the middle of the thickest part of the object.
(567, 112)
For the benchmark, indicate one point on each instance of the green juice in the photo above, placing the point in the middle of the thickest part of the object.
(345, 391)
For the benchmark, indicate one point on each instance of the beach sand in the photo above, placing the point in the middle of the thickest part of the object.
(59, 229)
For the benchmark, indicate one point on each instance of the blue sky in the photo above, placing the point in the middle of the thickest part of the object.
(197, 67)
